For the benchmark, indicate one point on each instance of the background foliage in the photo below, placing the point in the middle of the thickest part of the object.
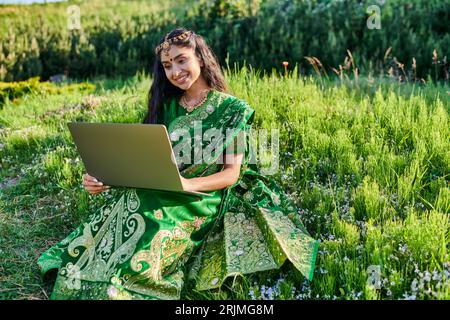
(118, 37)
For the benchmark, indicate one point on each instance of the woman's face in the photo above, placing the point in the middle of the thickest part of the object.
(182, 66)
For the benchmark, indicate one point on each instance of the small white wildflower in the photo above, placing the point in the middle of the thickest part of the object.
(436, 276)
(414, 285)
(403, 248)
(421, 284)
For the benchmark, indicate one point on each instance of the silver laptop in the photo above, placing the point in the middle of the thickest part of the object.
(129, 155)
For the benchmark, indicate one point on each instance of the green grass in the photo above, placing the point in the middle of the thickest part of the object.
(367, 163)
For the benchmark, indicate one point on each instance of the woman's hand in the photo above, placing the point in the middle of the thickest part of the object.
(219, 180)
(92, 185)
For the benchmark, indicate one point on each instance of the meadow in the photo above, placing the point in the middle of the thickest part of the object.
(366, 162)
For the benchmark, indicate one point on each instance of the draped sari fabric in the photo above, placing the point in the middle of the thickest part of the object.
(138, 245)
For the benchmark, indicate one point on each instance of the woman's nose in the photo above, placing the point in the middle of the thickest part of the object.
(176, 72)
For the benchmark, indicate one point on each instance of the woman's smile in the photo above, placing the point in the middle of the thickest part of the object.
(182, 79)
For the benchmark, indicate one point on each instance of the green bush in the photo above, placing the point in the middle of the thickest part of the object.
(14, 90)
(262, 32)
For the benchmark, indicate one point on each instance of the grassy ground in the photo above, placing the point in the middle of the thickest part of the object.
(367, 164)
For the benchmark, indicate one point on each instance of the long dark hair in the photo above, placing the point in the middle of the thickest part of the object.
(163, 90)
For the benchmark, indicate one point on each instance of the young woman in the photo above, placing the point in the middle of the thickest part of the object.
(141, 244)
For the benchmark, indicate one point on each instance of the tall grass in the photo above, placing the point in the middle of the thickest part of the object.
(367, 165)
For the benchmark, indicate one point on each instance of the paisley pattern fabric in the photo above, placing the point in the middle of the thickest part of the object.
(145, 244)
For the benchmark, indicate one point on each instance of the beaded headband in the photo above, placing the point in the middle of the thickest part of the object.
(167, 42)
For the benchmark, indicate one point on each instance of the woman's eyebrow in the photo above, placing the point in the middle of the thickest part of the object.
(173, 58)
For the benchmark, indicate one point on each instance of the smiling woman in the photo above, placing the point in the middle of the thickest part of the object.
(183, 71)
(141, 244)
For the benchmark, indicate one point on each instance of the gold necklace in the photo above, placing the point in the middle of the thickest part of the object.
(199, 102)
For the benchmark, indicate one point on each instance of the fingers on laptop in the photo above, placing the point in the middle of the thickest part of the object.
(94, 192)
(92, 185)
(97, 190)
(91, 181)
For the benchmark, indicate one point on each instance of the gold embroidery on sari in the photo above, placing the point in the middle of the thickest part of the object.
(152, 257)
(245, 247)
(289, 239)
(167, 250)
(111, 245)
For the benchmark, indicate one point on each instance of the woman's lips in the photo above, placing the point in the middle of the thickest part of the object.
(182, 79)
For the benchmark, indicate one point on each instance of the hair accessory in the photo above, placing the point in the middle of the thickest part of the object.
(167, 42)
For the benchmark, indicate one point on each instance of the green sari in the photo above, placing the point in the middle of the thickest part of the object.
(139, 244)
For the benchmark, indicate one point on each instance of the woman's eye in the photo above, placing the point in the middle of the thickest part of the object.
(181, 61)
